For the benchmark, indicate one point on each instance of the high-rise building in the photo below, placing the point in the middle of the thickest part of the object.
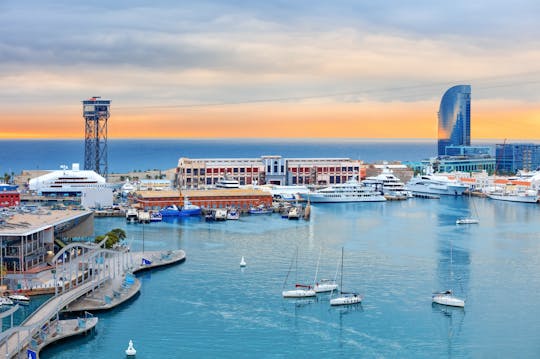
(96, 113)
(512, 157)
(455, 118)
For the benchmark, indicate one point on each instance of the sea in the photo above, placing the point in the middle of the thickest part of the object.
(396, 254)
(139, 155)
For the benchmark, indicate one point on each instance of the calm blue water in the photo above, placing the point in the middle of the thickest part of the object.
(396, 254)
(128, 155)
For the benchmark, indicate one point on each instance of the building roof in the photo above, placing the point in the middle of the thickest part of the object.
(201, 193)
(22, 224)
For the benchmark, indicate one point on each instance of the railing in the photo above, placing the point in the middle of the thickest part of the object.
(30, 330)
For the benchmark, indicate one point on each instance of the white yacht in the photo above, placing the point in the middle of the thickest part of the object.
(436, 185)
(350, 191)
(227, 183)
(388, 184)
(527, 196)
(447, 298)
(325, 285)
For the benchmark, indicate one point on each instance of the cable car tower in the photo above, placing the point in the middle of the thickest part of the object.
(96, 113)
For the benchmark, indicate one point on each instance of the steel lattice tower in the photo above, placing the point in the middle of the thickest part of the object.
(96, 113)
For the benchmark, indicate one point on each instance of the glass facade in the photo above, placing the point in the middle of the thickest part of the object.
(517, 156)
(455, 118)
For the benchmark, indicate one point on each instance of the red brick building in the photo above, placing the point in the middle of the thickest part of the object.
(217, 198)
(9, 198)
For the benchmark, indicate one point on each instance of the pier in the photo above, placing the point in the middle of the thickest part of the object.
(99, 279)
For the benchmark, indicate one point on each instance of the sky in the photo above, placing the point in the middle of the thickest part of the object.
(273, 69)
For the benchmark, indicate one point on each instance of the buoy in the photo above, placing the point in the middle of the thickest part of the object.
(130, 351)
(242, 262)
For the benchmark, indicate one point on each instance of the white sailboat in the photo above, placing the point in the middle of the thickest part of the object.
(324, 285)
(301, 290)
(469, 220)
(345, 298)
(447, 297)
(242, 262)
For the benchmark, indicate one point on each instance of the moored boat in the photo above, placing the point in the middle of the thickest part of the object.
(350, 191)
(261, 209)
(19, 298)
(524, 196)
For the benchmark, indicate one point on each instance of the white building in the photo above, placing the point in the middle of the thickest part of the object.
(91, 188)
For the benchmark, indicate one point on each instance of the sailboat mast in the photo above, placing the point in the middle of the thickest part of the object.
(341, 281)
(317, 270)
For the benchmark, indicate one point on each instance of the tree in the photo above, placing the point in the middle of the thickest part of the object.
(113, 237)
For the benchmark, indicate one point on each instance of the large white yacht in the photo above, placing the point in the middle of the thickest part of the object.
(388, 184)
(227, 182)
(435, 184)
(524, 196)
(350, 191)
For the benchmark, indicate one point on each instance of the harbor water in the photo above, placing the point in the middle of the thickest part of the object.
(395, 254)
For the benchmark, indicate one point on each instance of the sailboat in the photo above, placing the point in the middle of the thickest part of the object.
(469, 220)
(324, 285)
(345, 298)
(447, 297)
(301, 290)
(242, 262)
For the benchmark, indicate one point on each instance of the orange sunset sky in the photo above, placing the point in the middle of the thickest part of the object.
(308, 69)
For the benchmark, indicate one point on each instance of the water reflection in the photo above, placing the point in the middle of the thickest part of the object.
(452, 323)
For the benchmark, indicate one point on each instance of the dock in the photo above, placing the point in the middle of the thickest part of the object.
(110, 295)
(108, 282)
(62, 329)
(156, 259)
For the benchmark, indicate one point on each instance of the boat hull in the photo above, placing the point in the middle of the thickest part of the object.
(467, 221)
(299, 293)
(345, 300)
(514, 198)
(318, 198)
(449, 190)
(448, 300)
(325, 287)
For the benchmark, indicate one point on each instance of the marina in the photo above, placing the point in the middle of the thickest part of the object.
(396, 269)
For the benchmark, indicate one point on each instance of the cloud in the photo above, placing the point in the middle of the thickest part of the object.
(169, 54)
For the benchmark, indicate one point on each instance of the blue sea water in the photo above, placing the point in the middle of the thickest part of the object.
(128, 155)
(396, 254)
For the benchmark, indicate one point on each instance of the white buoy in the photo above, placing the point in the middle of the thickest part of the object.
(130, 351)
(242, 262)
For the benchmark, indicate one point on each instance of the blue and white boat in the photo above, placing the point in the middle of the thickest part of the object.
(261, 209)
(187, 210)
(156, 217)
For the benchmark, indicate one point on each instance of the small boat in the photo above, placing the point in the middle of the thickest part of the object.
(19, 298)
(156, 217)
(467, 221)
(217, 214)
(233, 214)
(261, 209)
(131, 215)
(5, 301)
(325, 285)
(301, 290)
(293, 213)
(447, 298)
(242, 262)
(345, 298)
